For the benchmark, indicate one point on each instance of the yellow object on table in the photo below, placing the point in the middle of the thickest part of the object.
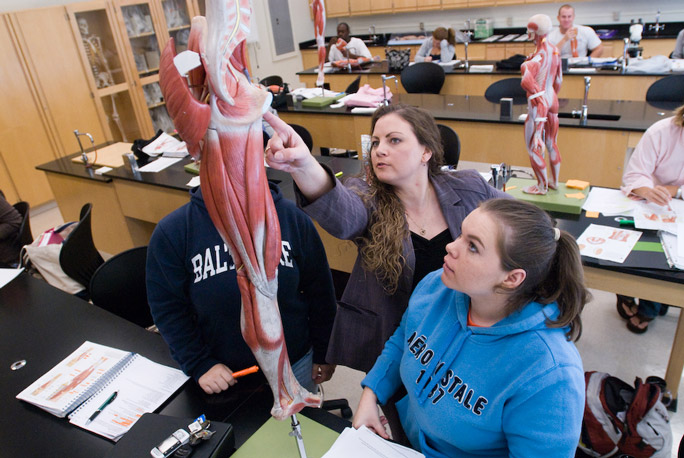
(577, 184)
(109, 156)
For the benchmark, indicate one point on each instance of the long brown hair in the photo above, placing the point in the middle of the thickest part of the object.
(527, 240)
(381, 248)
(679, 116)
(442, 33)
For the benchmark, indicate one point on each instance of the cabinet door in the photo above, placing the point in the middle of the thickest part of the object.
(93, 25)
(381, 6)
(336, 8)
(55, 67)
(176, 16)
(24, 140)
(357, 7)
(480, 3)
(428, 4)
(448, 4)
(404, 5)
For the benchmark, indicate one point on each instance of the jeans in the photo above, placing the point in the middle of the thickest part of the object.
(302, 370)
(649, 309)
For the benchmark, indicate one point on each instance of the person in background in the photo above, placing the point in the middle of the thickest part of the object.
(10, 221)
(573, 40)
(401, 217)
(196, 304)
(655, 173)
(354, 46)
(678, 52)
(440, 46)
(485, 349)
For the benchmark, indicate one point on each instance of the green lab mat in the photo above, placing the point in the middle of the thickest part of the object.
(553, 200)
(192, 167)
(273, 440)
(320, 102)
(656, 247)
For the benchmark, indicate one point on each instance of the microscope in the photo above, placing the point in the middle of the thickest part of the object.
(635, 31)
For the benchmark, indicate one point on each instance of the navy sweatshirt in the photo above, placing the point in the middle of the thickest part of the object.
(194, 297)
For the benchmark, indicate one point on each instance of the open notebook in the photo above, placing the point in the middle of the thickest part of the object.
(82, 382)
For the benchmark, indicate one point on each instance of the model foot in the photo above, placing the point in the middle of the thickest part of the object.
(553, 185)
(534, 189)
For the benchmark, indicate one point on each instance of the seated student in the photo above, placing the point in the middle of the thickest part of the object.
(355, 47)
(574, 40)
(440, 46)
(10, 220)
(655, 172)
(194, 298)
(484, 349)
(678, 52)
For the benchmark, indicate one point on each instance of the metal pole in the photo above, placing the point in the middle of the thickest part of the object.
(297, 433)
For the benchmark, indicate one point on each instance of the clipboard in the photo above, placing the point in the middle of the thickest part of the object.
(110, 156)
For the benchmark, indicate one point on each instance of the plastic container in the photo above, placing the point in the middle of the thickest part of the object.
(484, 28)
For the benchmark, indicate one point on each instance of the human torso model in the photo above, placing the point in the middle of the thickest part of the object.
(541, 79)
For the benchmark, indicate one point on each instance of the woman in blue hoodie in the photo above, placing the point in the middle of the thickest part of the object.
(485, 347)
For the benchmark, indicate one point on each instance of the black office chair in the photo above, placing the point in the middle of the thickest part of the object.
(304, 133)
(25, 237)
(423, 78)
(78, 257)
(271, 80)
(353, 88)
(666, 93)
(451, 145)
(118, 286)
(509, 87)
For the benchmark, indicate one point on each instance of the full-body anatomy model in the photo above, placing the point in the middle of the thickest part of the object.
(541, 79)
(219, 116)
(319, 30)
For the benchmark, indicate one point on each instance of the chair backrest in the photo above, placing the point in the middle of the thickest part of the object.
(118, 286)
(78, 257)
(353, 88)
(508, 87)
(451, 145)
(423, 78)
(271, 80)
(24, 237)
(669, 89)
(304, 133)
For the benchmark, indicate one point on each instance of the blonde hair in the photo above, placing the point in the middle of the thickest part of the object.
(381, 248)
(679, 116)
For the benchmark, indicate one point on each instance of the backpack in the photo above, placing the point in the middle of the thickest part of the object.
(619, 418)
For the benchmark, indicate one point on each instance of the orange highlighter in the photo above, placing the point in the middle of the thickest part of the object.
(243, 372)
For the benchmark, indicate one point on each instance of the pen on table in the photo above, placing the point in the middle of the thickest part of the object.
(339, 174)
(109, 400)
(243, 372)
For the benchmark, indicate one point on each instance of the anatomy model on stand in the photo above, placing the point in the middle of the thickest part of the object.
(541, 79)
(318, 8)
(218, 112)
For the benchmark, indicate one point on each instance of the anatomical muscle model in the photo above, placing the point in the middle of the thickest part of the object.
(319, 31)
(217, 111)
(541, 79)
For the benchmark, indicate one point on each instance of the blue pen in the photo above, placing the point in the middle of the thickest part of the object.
(99, 410)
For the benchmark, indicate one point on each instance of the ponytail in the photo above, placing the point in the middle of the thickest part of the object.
(451, 38)
(550, 258)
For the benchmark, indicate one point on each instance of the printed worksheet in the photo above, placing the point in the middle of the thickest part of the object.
(655, 217)
(609, 243)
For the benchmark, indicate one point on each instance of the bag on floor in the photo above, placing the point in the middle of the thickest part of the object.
(41, 258)
(624, 419)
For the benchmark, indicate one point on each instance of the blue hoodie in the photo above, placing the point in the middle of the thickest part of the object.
(513, 389)
(194, 297)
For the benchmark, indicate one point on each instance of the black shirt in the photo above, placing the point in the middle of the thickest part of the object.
(429, 254)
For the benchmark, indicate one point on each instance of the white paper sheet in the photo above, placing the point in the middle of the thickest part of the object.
(609, 243)
(609, 202)
(194, 181)
(159, 164)
(680, 240)
(7, 275)
(167, 145)
(673, 246)
(363, 443)
(655, 217)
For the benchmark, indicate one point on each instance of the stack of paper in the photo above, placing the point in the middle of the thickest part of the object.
(167, 146)
(364, 443)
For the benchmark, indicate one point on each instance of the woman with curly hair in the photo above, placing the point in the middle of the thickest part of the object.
(401, 217)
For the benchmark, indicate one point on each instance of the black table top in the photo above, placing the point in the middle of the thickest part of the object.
(42, 325)
(576, 224)
(631, 115)
(382, 67)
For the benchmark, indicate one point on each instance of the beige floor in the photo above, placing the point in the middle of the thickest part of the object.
(606, 345)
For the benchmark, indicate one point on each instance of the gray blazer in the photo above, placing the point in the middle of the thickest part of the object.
(367, 316)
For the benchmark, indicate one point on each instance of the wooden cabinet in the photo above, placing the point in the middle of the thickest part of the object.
(405, 5)
(451, 4)
(358, 7)
(336, 8)
(381, 6)
(481, 3)
(428, 5)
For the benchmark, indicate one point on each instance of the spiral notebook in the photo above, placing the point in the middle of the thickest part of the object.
(83, 381)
